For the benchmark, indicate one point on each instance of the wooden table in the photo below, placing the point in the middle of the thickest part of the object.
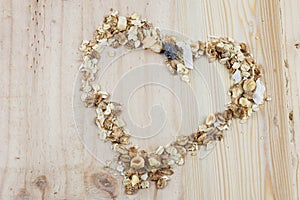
(42, 156)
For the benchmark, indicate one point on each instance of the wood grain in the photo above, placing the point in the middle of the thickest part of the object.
(41, 155)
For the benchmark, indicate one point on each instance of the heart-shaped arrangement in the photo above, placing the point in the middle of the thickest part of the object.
(136, 165)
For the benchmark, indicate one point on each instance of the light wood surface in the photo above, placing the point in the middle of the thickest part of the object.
(41, 155)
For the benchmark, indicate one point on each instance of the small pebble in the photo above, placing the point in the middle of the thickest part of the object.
(170, 51)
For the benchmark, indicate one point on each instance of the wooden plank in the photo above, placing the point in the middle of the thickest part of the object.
(42, 156)
(291, 55)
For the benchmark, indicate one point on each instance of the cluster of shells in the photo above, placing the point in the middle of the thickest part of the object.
(137, 166)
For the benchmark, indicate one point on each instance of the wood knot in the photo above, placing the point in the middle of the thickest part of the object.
(41, 182)
(105, 182)
(23, 195)
(291, 116)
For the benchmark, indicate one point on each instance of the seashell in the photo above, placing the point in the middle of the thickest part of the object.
(106, 26)
(182, 140)
(202, 127)
(145, 184)
(180, 162)
(153, 162)
(136, 22)
(156, 48)
(194, 47)
(180, 67)
(83, 45)
(244, 102)
(181, 150)
(210, 119)
(236, 65)
(227, 47)
(114, 12)
(134, 180)
(135, 16)
(259, 92)
(161, 183)
(245, 74)
(132, 33)
(122, 23)
(223, 60)
(249, 85)
(144, 176)
(109, 108)
(167, 171)
(241, 57)
(98, 47)
(245, 67)
(268, 98)
(220, 45)
(86, 88)
(104, 95)
(103, 42)
(185, 78)
(255, 107)
(159, 150)
(236, 49)
(137, 43)
(236, 91)
(171, 150)
(120, 149)
(171, 162)
(125, 158)
(237, 77)
(137, 162)
(187, 54)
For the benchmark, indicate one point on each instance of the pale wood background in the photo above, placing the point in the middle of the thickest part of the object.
(41, 156)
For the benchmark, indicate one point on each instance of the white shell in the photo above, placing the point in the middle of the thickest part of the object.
(137, 43)
(153, 162)
(240, 57)
(159, 150)
(237, 76)
(185, 78)
(187, 54)
(156, 48)
(109, 108)
(236, 65)
(122, 23)
(258, 95)
(83, 45)
(180, 68)
(98, 47)
(245, 67)
(144, 176)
